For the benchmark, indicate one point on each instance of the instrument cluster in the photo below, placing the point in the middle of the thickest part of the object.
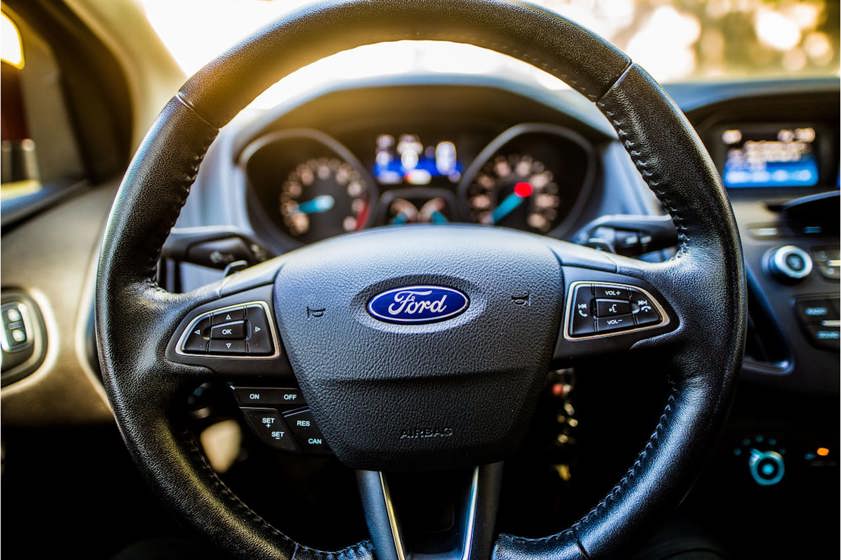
(309, 186)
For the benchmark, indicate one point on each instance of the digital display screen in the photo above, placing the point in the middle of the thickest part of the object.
(769, 156)
(405, 159)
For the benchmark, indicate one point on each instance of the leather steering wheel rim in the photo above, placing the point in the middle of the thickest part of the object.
(136, 318)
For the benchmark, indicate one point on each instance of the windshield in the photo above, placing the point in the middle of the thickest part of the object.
(675, 40)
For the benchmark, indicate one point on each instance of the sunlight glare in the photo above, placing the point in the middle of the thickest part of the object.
(776, 30)
(12, 48)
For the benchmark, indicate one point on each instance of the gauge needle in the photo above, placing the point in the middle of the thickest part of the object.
(404, 210)
(438, 218)
(400, 219)
(318, 204)
(522, 191)
(432, 211)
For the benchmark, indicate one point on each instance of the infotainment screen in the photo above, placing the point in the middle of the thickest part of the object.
(769, 156)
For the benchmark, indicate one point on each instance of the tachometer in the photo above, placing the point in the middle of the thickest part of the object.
(516, 191)
(323, 197)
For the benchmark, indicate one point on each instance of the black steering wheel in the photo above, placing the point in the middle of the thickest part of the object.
(424, 348)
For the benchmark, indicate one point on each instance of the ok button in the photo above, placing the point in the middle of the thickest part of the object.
(228, 331)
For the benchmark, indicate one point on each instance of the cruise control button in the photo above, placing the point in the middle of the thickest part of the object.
(236, 314)
(306, 431)
(226, 347)
(645, 312)
(582, 323)
(612, 292)
(228, 331)
(270, 427)
(259, 337)
(196, 342)
(268, 395)
(612, 307)
(610, 324)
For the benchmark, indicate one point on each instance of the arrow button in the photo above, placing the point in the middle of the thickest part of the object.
(259, 339)
(227, 347)
(228, 315)
(196, 342)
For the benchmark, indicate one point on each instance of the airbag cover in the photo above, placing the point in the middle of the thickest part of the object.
(454, 388)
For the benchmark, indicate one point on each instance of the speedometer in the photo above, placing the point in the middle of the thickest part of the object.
(323, 197)
(516, 191)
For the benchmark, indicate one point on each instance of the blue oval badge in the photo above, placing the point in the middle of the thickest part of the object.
(418, 304)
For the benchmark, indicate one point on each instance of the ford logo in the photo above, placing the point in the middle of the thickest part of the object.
(417, 304)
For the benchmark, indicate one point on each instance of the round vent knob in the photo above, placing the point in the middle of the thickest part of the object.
(789, 263)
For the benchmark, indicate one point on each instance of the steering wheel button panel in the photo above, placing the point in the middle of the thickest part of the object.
(603, 309)
(280, 417)
(242, 330)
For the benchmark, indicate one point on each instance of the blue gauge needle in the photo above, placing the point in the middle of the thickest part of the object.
(522, 191)
(400, 219)
(438, 218)
(318, 204)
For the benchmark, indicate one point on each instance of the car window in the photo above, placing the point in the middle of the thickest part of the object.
(39, 151)
(676, 40)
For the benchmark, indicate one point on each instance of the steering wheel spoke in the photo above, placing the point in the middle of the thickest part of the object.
(231, 335)
(613, 305)
(435, 516)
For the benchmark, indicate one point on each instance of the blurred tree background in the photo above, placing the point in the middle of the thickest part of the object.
(686, 39)
(675, 40)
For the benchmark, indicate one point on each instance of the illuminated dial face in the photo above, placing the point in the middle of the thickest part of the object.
(515, 191)
(323, 197)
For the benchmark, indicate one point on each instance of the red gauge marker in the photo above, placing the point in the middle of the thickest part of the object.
(523, 189)
(362, 217)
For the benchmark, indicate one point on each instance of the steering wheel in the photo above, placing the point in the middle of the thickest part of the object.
(423, 348)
